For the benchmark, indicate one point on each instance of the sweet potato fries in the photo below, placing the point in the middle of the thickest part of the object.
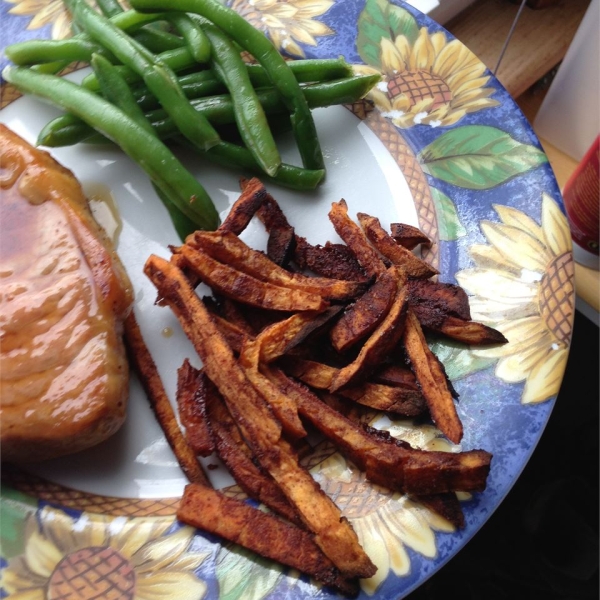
(285, 352)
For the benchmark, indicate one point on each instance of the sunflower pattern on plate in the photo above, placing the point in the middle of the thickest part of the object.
(90, 556)
(500, 224)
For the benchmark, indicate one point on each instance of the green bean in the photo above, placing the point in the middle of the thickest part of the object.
(146, 150)
(157, 76)
(233, 156)
(177, 59)
(157, 40)
(203, 84)
(109, 8)
(129, 21)
(70, 50)
(195, 39)
(116, 90)
(250, 117)
(66, 130)
(266, 54)
(307, 70)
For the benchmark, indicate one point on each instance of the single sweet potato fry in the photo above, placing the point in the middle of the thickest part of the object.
(397, 376)
(426, 296)
(244, 208)
(408, 235)
(432, 380)
(159, 401)
(468, 332)
(263, 533)
(355, 239)
(191, 397)
(380, 342)
(247, 289)
(398, 255)
(362, 317)
(277, 339)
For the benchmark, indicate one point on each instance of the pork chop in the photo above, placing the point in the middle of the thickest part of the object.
(63, 297)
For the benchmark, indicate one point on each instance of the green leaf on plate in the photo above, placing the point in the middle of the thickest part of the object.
(478, 157)
(243, 575)
(450, 227)
(15, 507)
(381, 19)
(458, 360)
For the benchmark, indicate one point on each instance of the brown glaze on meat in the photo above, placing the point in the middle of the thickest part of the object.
(63, 297)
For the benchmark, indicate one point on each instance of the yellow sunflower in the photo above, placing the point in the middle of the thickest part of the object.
(432, 82)
(387, 523)
(97, 557)
(523, 284)
(44, 12)
(287, 21)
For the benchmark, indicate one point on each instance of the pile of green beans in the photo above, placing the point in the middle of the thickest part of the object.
(171, 72)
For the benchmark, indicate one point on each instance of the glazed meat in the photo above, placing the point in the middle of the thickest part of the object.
(63, 297)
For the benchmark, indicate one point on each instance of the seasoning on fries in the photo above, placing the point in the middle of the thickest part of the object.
(284, 352)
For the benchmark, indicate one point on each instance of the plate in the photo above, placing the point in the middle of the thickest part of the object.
(441, 145)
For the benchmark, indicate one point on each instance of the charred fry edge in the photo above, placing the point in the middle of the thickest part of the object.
(432, 380)
(190, 396)
(398, 255)
(244, 208)
(362, 317)
(355, 239)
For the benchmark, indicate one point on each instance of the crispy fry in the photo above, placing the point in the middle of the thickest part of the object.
(320, 515)
(277, 339)
(283, 407)
(355, 238)
(244, 208)
(335, 261)
(389, 462)
(468, 332)
(247, 289)
(396, 375)
(230, 249)
(281, 245)
(381, 341)
(401, 401)
(445, 298)
(362, 317)
(408, 236)
(432, 380)
(263, 533)
(160, 403)
(191, 395)
(231, 332)
(234, 452)
(446, 505)
(398, 255)
(331, 260)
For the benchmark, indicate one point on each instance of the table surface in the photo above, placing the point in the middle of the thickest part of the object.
(542, 542)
